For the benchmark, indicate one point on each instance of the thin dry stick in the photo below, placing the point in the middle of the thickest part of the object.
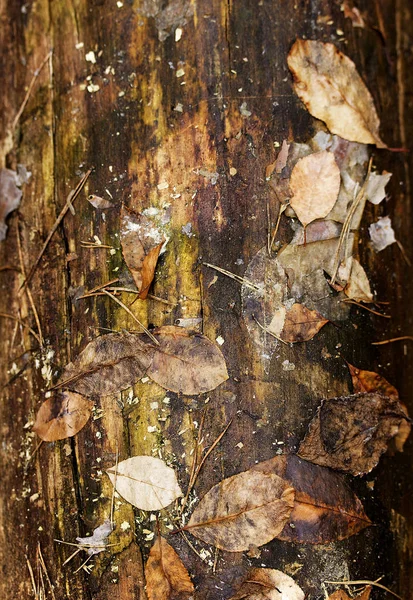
(192, 546)
(237, 278)
(268, 331)
(29, 566)
(59, 219)
(29, 91)
(347, 223)
(403, 251)
(43, 565)
(360, 305)
(365, 582)
(268, 229)
(277, 225)
(28, 291)
(195, 461)
(22, 323)
(148, 333)
(396, 339)
(94, 245)
(112, 503)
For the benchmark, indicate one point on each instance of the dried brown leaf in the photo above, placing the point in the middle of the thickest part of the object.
(325, 509)
(342, 595)
(375, 188)
(108, 364)
(350, 433)
(186, 362)
(166, 576)
(268, 584)
(248, 508)
(358, 285)
(301, 324)
(141, 244)
(10, 196)
(145, 482)
(328, 83)
(62, 416)
(314, 183)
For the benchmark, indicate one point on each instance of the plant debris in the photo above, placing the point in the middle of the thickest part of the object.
(10, 197)
(381, 234)
(145, 482)
(97, 542)
(248, 508)
(62, 416)
(342, 595)
(99, 203)
(166, 576)
(328, 83)
(350, 433)
(268, 584)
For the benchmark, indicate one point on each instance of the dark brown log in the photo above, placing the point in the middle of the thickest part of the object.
(155, 110)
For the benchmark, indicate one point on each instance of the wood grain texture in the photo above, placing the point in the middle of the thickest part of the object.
(133, 132)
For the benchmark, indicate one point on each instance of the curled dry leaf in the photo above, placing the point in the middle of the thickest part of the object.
(299, 324)
(342, 595)
(166, 577)
(108, 364)
(62, 416)
(325, 509)
(10, 196)
(186, 362)
(145, 482)
(369, 381)
(249, 508)
(351, 433)
(381, 234)
(358, 285)
(314, 183)
(268, 584)
(141, 244)
(375, 191)
(96, 543)
(328, 83)
(98, 202)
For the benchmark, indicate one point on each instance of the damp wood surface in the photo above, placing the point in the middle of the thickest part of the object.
(186, 127)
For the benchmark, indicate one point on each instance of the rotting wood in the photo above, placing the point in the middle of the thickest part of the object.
(142, 129)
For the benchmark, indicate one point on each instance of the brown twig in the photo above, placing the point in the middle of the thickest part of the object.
(237, 278)
(396, 339)
(365, 582)
(22, 323)
(59, 219)
(29, 91)
(28, 291)
(277, 225)
(43, 565)
(148, 333)
(360, 305)
(268, 331)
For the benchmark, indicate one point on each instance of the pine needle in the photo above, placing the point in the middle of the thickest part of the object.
(29, 91)
(234, 276)
(365, 582)
(148, 333)
(396, 339)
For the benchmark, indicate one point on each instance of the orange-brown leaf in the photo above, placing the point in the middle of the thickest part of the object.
(342, 595)
(166, 576)
(141, 244)
(369, 381)
(268, 584)
(62, 416)
(325, 509)
(328, 83)
(301, 324)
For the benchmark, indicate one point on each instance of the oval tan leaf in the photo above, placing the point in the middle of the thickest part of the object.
(166, 577)
(301, 324)
(141, 244)
(268, 584)
(62, 416)
(314, 183)
(328, 83)
(249, 508)
(108, 364)
(186, 362)
(325, 509)
(145, 482)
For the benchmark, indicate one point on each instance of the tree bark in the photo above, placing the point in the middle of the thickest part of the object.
(163, 120)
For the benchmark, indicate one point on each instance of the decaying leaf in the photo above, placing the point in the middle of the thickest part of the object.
(375, 191)
(350, 433)
(325, 509)
(166, 577)
(141, 244)
(10, 196)
(108, 364)
(268, 584)
(314, 183)
(186, 362)
(342, 595)
(62, 415)
(97, 542)
(358, 285)
(381, 234)
(328, 83)
(369, 381)
(98, 202)
(301, 324)
(145, 482)
(248, 508)
(353, 13)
